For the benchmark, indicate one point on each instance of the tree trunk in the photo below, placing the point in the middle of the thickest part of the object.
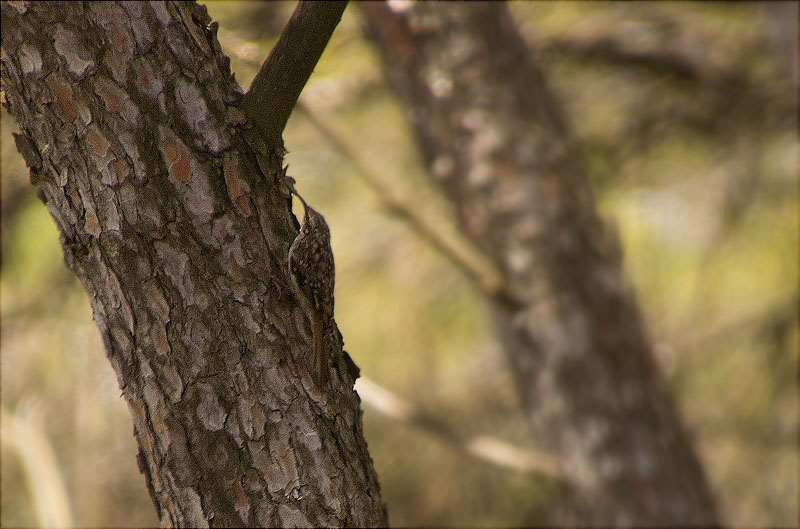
(495, 139)
(173, 215)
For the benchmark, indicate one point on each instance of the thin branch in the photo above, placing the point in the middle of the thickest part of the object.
(492, 450)
(613, 51)
(724, 78)
(463, 253)
(278, 84)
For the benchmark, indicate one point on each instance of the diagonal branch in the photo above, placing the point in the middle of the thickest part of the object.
(278, 84)
(478, 267)
(489, 449)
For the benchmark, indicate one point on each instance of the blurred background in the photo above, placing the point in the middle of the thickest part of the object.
(698, 172)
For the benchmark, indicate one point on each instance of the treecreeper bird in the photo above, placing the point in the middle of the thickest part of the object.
(311, 268)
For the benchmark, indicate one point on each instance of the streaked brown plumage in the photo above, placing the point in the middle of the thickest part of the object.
(311, 267)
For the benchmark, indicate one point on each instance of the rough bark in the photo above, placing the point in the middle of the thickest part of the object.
(494, 137)
(172, 217)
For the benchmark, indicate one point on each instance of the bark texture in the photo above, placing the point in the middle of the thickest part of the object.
(495, 138)
(172, 216)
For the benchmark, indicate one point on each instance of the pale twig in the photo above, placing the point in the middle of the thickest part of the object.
(23, 433)
(456, 248)
(488, 449)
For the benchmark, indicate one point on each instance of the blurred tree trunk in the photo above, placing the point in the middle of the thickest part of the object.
(171, 212)
(495, 139)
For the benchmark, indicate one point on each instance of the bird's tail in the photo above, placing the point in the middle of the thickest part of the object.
(321, 353)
